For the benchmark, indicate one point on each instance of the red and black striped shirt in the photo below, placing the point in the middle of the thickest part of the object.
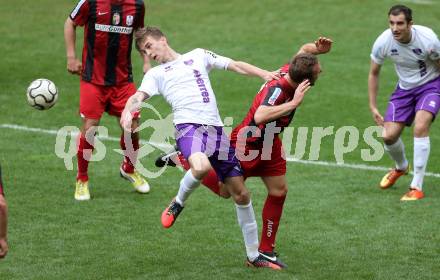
(275, 92)
(108, 37)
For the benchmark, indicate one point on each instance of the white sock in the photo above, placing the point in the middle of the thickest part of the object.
(187, 185)
(421, 155)
(248, 224)
(397, 153)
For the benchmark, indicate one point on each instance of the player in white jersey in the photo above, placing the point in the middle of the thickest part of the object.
(183, 81)
(415, 52)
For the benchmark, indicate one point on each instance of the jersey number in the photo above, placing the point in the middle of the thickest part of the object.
(422, 67)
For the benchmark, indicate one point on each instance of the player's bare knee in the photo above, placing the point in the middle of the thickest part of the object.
(421, 130)
(200, 165)
(241, 196)
(281, 191)
(224, 193)
(89, 124)
(200, 170)
(390, 139)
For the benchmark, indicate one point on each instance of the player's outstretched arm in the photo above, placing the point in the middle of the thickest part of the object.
(73, 64)
(265, 113)
(320, 46)
(132, 108)
(3, 227)
(251, 70)
(373, 88)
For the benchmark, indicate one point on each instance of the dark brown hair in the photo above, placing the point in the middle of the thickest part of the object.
(301, 68)
(399, 9)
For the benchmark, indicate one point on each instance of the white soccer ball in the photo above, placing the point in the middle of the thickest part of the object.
(42, 94)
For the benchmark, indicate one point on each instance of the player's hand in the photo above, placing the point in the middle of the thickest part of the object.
(300, 91)
(377, 117)
(269, 76)
(323, 45)
(3, 248)
(74, 65)
(126, 120)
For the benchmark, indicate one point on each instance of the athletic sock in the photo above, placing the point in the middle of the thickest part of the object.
(397, 153)
(272, 211)
(128, 165)
(210, 180)
(248, 225)
(84, 154)
(421, 154)
(187, 185)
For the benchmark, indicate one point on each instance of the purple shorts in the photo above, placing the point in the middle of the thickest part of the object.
(404, 104)
(212, 141)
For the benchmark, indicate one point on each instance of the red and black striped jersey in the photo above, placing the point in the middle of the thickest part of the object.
(108, 37)
(273, 93)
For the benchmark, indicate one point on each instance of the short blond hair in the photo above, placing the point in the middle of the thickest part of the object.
(144, 32)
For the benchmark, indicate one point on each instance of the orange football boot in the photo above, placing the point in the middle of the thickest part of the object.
(391, 177)
(413, 194)
(170, 214)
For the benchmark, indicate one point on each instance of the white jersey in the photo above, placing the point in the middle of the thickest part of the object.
(185, 85)
(414, 62)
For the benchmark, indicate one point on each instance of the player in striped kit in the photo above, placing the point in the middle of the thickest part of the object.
(106, 76)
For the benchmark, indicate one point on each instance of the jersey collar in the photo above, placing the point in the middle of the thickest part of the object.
(285, 86)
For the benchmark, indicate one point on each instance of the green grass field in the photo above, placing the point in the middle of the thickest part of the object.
(336, 223)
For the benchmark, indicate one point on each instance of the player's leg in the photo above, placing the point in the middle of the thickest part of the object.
(272, 211)
(84, 153)
(422, 124)
(395, 148)
(3, 221)
(91, 107)
(199, 167)
(129, 142)
(3, 226)
(230, 173)
(273, 173)
(247, 222)
(400, 112)
(191, 141)
(427, 107)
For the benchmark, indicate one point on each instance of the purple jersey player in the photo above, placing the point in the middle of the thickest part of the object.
(182, 79)
(415, 52)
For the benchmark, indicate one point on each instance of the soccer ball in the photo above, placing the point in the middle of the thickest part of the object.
(42, 94)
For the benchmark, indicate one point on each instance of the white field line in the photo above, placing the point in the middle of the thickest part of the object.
(166, 146)
(422, 2)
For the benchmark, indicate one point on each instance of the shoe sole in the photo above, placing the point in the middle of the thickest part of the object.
(274, 266)
(82, 198)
